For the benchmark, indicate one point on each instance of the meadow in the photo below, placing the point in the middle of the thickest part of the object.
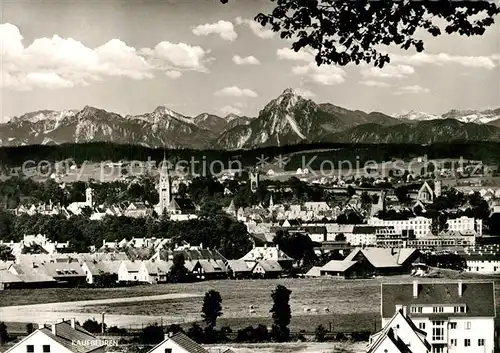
(352, 304)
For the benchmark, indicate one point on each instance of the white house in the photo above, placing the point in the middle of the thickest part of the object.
(457, 317)
(483, 263)
(61, 337)
(178, 343)
(398, 335)
(154, 271)
(129, 271)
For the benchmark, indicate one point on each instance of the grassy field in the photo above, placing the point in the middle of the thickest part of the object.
(352, 304)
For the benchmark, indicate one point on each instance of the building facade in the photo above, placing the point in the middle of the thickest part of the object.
(457, 317)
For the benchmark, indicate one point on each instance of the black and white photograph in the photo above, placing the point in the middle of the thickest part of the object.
(249, 176)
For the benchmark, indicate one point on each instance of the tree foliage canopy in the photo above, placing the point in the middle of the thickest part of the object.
(345, 31)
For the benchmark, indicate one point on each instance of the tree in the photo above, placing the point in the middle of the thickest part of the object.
(439, 224)
(281, 313)
(6, 253)
(365, 199)
(212, 308)
(341, 32)
(4, 334)
(350, 191)
(93, 326)
(29, 328)
(340, 237)
(152, 334)
(320, 333)
(195, 332)
(178, 272)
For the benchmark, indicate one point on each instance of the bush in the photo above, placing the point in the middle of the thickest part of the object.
(152, 334)
(340, 337)
(362, 336)
(116, 330)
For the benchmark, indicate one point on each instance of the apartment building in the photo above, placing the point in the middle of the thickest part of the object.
(421, 226)
(457, 317)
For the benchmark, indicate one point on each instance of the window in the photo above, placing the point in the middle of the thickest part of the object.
(467, 325)
(453, 325)
(421, 325)
(453, 342)
(168, 350)
(480, 342)
(30, 348)
(466, 342)
(46, 348)
(437, 309)
(413, 309)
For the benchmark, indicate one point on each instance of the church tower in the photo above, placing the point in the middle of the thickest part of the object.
(164, 187)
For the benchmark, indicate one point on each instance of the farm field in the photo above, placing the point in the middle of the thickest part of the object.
(351, 304)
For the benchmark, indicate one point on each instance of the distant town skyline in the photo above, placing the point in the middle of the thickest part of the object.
(201, 56)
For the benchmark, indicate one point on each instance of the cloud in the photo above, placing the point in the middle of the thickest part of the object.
(290, 54)
(239, 104)
(249, 60)
(324, 75)
(227, 109)
(181, 56)
(235, 91)
(173, 74)
(256, 28)
(57, 62)
(224, 29)
(304, 93)
(412, 90)
(486, 62)
(371, 83)
(388, 71)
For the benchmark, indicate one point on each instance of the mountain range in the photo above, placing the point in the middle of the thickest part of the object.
(287, 119)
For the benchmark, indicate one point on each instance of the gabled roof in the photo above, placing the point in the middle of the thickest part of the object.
(383, 257)
(478, 296)
(270, 266)
(338, 265)
(184, 342)
(238, 266)
(132, 266)
(29, 274)
(183, 204)
(65, 269)
(7, 277)
(68, 337)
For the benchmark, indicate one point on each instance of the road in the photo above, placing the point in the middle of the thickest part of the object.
(51, 312)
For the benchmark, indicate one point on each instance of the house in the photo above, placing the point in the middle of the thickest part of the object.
(457, 317)
(399, 335)
(101, 271)
(341, 268)
(154, 271)
(268, 253)
(189, 253)
(383, 261)
(209, 269)
(129, 271)
(32, 276)
(238, 269)
(61, 337)
(178, 343)
(427, 194)
(267, 269)
(180, 205)
(487, 263)
(67, 273)
(9, 280)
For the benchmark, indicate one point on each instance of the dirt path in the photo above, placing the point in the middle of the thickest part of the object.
(51, 312)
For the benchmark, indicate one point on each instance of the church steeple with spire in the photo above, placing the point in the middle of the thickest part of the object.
(164, 189)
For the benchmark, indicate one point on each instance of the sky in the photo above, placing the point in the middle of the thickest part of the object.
(197, 56)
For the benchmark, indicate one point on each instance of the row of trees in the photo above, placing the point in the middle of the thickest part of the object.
(218, 231)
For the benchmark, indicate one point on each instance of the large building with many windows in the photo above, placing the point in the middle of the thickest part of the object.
(457, 317)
